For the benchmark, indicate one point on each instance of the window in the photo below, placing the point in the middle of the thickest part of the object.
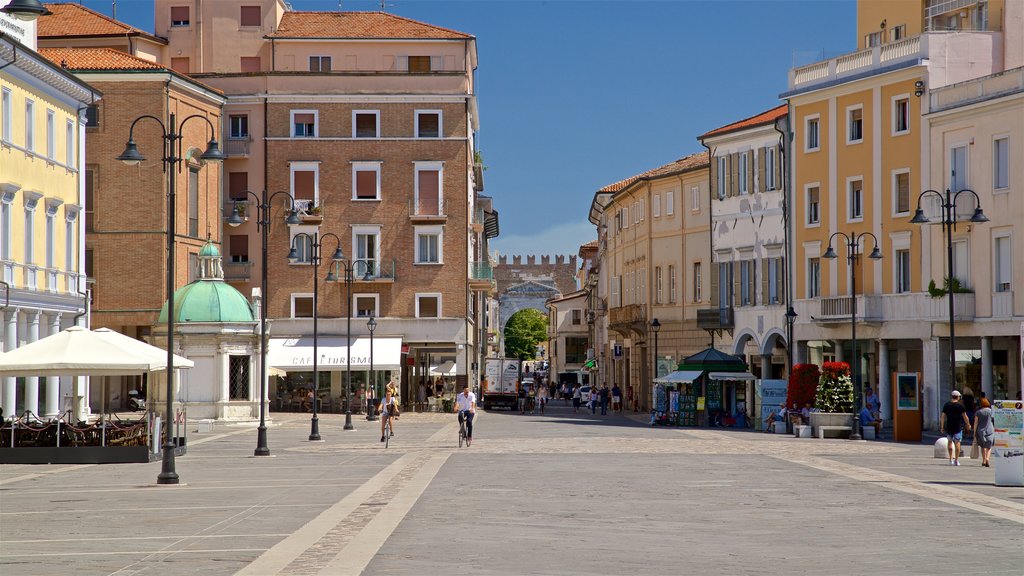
(366, 305)
(656, 206)
(428, 305)
(305, 184)
(643, 208)
(319, 63)
(250, 63)
(695, 199)
(90, 199)
(725, 287)
(429, 240)
(1001, 163)
(5, 228)
(5, 115)
(193, 267)
(769, 168)
(92, 116)
(957, 168)
(902, 271)
(901, 115)
(238, 184)
(365, 123)
(698, 290)
(69, 243)
(636, 212)
(429, 188)
(69, 147)
(238, 247)
(625, 216)
(180, 65)
(723, 176)
(897, 33)
(575, 350)
(30, 234)
(302, 305)
(428, 124)
(773, 277)
(179, 16)
(961, 263)
(193, 202)
(51, 239)
(89, 273)
(744, 156)
(304, 123)
(659, 296)
(614, 298)
(811, 135)
(813, 205)
(872, 39)
(419, 63)
(813, 277)
(250, 16)
(238, 126)
(302, 243)
(901, 191)
(51, 135)
(854, 125)
(366, 180)
(577, 316)
(366, 247)
(856, 200)
(748, 295)
(1003, 270)
(670, 201)
(30, 133)
(238, 377)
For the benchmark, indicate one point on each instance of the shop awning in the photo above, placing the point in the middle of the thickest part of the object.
(296, 354)
(447, 368)
(679, 377)
(738, 376)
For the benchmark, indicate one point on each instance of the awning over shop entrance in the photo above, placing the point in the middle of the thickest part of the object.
(296, 354)
(736, 376)
(679, 377)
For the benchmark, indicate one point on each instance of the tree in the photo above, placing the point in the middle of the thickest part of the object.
(525, 329)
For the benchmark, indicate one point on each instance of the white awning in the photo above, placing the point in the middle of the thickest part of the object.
(296, 354)
(679, 377)
(732, 376)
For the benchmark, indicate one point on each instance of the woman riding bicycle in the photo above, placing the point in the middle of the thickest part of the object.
(388, 408)
(465, 405)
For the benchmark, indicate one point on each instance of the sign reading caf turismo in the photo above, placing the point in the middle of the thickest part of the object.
(20, 30)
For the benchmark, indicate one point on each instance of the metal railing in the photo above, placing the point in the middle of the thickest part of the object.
(237, 146)
(238, 271)
(629, 314)
(422, 209)
(481, 271)
(715, 318)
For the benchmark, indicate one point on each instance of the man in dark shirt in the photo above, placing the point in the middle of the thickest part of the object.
(954, 421)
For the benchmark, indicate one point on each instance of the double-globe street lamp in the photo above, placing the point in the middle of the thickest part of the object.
(263, 223)
(853, 241)
(348, 267)
(949, 223)
(315, 244)
(172, 159)
(371, 413)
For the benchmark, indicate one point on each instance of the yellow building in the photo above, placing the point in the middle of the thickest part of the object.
(860, 159)
(42, 213)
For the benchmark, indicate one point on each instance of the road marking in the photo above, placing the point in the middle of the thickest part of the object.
(131, 553)
(41, 474)
(274, 560)
(119, 538)
(353, 558)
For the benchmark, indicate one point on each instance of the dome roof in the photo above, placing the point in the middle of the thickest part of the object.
(208, 301)
(209, 250)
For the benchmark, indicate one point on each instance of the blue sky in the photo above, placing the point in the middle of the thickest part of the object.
(575, 95)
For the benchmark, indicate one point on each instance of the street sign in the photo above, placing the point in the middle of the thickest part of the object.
(617, 351)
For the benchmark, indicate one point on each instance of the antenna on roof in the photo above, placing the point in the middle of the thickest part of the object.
(113, 9)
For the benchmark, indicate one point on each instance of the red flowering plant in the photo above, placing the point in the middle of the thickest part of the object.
(803, 384)
(835, 388)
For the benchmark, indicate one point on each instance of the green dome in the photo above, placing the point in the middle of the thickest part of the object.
(209, 250)
(208, 301)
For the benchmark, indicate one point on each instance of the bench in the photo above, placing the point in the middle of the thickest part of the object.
(779, 427)
(802, 431)
(822, 429)
(867, 432)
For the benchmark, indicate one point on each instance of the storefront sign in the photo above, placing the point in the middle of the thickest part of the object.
(700, 403)
(1008, 450)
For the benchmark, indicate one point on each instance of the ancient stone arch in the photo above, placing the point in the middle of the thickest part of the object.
(529, 284)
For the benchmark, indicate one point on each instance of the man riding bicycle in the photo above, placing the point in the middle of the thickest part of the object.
(465, 405)
(388, 408)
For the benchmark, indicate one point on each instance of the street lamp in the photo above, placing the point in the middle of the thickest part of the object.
(348, 267)
(371, 414)
(315, 244)
(263, 205)
(655, 327)
(171, 133)
(791, 316)
(852, 252)
(26, 10)
(949, 223)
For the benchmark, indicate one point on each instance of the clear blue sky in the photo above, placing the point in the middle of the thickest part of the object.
(575, 95)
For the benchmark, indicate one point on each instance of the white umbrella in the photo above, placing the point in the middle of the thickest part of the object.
(158, 355)
(78, 351)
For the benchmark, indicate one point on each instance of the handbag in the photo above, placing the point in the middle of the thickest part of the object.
(975, 449)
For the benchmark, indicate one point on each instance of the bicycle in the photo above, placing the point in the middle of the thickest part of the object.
(463, 434)
(387, 431)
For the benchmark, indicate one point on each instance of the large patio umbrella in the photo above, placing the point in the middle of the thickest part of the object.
(158, 354)
(78, 351)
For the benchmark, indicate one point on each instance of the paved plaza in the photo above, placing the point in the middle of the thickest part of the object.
(555, 494)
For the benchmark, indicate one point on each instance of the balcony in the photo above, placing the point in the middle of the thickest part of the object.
(971, 91)
(874, 308)
(243, 205)
(716, 319)
(237, 271)
(428, 211)
(237, 147)
(840, 309)
(372, 270)
(625, 318)
(1002, 304)
(481, 277)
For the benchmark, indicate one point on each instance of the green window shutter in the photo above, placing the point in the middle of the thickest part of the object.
(760, 169)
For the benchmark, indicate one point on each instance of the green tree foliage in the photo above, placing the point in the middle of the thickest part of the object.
(525, 329)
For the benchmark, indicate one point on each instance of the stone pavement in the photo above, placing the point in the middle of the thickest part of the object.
(553, 494)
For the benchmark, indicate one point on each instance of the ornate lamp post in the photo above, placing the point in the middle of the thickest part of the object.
(371, 414)
(949, 223)
(852, 252)
(348, 266)
(263, 205)
(315, 245)
(172, 160)
(655, 327)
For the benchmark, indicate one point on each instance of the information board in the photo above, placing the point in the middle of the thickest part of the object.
(1008, 449)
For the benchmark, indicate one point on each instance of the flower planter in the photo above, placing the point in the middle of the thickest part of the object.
(830, 419)
(315, 219)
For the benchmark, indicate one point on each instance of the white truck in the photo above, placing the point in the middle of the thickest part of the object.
(500, 387)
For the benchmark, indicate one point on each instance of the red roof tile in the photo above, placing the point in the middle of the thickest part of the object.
(359, 25)
(97, 59)
(767, 117)
(77, 20)
(684, 164)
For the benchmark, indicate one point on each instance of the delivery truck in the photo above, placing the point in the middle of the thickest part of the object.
(501, 382)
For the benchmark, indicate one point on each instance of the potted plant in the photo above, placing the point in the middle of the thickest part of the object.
(313, 213)
(834, 397)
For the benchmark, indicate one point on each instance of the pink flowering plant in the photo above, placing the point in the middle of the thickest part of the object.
(835, 388)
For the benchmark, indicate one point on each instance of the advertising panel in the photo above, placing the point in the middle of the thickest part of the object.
(1008, 450)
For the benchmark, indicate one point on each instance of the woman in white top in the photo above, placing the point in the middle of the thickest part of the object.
(542, 398)
(388, 409)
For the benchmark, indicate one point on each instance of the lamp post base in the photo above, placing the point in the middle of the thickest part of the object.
(855, 429)
(261, 442)
(348, 420)
(314, 431)
(167, 474)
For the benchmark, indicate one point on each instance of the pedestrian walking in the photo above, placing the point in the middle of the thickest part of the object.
(542, 398)
(522, 399)
(953, 422)
(616, 398)
(566, 394)
(592, 400)
(984, 430)
(605, 396)
(576, 395)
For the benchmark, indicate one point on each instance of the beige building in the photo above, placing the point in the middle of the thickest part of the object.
(568, 338)
(654, 253)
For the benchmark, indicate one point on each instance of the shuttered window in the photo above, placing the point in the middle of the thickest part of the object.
(238, 183)
(250, 16)
(304, 185)
(179, 16)
(428, 124)
(902, 192)
(813, 205)
(238, 247)
(365, 124)
(428, 192)
(419, 63)
(366, 184)
(303, 124)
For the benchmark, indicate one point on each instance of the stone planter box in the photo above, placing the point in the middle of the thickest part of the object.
(830, 419)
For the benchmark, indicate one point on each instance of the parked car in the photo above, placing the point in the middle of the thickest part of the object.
(584, 394)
